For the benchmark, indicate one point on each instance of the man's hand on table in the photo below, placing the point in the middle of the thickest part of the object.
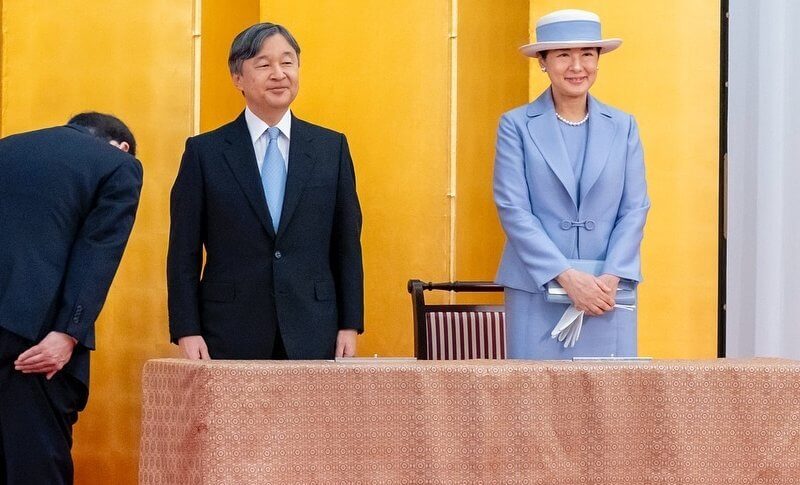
(194, 347)
(346, 343)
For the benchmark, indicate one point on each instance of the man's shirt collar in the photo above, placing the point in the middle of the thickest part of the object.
(256, 126)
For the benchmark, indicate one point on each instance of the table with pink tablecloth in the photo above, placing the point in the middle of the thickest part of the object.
(723, 421)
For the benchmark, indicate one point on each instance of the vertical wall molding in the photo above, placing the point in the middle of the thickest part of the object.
(2, 69)
(197, 54)
(723, 177)
(453, 158)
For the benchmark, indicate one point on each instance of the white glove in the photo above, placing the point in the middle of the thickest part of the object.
(568, 329)
(576, 332)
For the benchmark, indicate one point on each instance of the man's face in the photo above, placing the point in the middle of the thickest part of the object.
(270, 80)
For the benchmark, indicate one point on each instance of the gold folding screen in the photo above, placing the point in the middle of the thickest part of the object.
(418, 87)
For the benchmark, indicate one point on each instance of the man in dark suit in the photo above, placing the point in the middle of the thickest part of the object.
(272, 200)
(68, 199)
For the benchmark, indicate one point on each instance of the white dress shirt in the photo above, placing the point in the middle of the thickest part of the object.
(258, 135)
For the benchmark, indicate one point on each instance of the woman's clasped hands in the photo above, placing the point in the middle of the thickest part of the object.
(591, 294)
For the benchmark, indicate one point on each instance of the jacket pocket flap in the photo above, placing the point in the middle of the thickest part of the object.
(324, 290)
(221, 292)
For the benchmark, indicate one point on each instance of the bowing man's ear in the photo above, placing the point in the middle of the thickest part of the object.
(123, 145)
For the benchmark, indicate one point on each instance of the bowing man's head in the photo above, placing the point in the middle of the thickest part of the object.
(108, 128)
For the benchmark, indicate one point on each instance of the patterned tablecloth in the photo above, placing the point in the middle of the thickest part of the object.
(671, 422)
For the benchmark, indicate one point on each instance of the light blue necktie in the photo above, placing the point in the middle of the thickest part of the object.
(273, 177)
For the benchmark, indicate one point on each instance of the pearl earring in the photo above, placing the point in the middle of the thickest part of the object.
(544, 69)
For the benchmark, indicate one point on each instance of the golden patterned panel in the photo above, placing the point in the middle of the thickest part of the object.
(676, 422)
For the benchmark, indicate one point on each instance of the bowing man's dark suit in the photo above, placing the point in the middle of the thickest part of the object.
(305, 282)
(67, 206)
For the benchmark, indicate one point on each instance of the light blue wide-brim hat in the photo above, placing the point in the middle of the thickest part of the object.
(567, 29)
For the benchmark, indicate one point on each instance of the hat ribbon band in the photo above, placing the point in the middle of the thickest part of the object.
(569, 31)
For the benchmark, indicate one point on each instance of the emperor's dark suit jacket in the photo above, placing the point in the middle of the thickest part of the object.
(67, 206)
(306, 280)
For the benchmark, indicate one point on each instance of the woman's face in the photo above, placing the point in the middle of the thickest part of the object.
(572, 71)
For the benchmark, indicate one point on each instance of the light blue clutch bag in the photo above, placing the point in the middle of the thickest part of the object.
(555, 293)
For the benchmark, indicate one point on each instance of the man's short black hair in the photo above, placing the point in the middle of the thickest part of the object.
(248, 43)
(106, 127)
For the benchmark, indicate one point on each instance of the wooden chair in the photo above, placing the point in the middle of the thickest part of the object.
(454, 332)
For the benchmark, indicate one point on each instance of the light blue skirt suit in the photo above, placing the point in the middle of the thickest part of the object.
(550, 216)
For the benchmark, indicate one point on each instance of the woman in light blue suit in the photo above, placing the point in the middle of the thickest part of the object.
(569, 184)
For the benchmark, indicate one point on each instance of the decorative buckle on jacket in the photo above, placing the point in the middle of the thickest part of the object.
(587, 224)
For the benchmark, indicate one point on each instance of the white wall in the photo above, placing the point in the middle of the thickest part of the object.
(763, 226)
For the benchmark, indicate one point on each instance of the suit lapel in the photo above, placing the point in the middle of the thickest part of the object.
(544, 131)
(301, 164)
(602, 131)
(242, 160)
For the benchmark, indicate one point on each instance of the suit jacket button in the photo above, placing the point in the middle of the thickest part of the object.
(589, 225)
(566, 225)
(278, 255)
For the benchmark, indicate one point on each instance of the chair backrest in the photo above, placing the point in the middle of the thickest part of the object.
(452, 332)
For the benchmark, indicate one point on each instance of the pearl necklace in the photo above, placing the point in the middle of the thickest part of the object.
(573, 123)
